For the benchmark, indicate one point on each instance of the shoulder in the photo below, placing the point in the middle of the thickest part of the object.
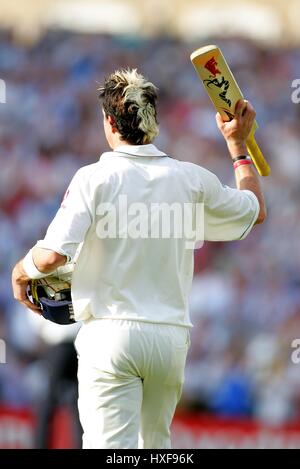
(196, 173)
(87, 171)
(95, 171)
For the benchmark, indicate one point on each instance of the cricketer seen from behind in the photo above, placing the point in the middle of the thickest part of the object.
(131, 282)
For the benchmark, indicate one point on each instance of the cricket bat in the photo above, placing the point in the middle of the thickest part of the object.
(224, 92)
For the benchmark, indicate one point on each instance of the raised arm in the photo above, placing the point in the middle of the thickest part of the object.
(235, 133)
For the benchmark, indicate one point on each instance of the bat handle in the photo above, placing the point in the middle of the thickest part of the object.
(257, 157)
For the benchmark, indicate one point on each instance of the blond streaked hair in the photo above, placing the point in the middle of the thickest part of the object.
(131, 101)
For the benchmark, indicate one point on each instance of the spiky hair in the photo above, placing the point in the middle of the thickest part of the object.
(131, 100)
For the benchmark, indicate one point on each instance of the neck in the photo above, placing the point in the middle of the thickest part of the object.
(116, 141)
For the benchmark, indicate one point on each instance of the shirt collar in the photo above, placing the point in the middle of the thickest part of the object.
(139, 150)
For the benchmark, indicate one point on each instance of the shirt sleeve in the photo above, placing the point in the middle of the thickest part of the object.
(229, 214)
(71, 222)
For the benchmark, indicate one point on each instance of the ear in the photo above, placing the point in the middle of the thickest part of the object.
(112, 123)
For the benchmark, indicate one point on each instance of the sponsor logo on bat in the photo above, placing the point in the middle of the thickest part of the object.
(212, 67)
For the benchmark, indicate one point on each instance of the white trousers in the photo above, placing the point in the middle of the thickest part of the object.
(130, 377)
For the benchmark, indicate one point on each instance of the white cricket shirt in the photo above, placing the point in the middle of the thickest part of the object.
(130, 271)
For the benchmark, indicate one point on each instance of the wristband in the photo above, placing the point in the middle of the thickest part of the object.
(238, 158)
(30, 267)
(241, 163)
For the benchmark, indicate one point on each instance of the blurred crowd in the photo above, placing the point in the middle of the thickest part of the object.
(245, 301)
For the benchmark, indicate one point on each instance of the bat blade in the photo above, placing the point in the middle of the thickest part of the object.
(224, 92)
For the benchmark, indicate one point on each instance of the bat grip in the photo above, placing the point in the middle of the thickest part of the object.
(257, 157)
